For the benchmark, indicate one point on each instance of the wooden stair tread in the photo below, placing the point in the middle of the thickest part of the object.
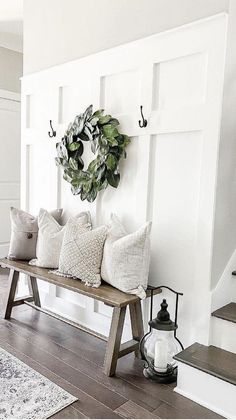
(105, 293)
(227, 312)
(210, 359)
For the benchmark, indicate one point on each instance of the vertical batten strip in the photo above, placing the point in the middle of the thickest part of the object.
(27, 111)
(60, 105)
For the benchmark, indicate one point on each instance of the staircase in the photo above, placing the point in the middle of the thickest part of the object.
(207, 374)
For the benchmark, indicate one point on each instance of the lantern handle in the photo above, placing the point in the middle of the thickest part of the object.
(177, 294)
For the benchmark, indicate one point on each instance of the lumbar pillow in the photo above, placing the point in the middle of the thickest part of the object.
(50, 237)
(81, 253)
(126, 258)
(24, 233)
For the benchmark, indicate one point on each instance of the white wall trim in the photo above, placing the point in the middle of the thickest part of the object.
(11, 96)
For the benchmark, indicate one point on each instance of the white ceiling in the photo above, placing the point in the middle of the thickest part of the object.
(11, 24)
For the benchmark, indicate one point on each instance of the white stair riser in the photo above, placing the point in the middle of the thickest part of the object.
(223, 334)
(211, 392)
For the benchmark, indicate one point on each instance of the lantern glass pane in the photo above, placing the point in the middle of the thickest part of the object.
(159, 349)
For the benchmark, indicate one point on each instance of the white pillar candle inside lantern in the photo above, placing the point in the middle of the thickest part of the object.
(161, 355)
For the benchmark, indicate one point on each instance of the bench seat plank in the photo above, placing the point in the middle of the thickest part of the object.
(105, 293)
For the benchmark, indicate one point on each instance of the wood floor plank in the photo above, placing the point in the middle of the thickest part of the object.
(69, 413)
(88, 346)
(127, 390)
(86, 404)
(36, 322)
(85, 349)
(131, 410)
(97, 390)
(167, 411)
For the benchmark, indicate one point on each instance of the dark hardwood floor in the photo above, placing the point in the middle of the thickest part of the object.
(74, 359)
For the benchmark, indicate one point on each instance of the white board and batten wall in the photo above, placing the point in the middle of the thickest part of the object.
(170, 172)
(9, 162)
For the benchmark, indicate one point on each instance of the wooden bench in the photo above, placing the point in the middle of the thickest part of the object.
(105, 293)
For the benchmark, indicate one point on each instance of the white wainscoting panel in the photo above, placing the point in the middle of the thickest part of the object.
(170, 172)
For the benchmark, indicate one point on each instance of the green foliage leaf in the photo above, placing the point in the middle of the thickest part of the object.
(79, 121)
(91, 196)
(74, 146)
(83, 195)
(113, 142)
(101, 172)
(73, 164)
(98, 113)
(88, 112)
(94, 120)
(88, 133)
(58, 161)
(62, 151)
(111, 162)
(126, 140)
(67, 177)
(110, 131)
(113, 179)
(92, 166)
(104, 119)
(80, 162)
(83, 136)
(114, 121)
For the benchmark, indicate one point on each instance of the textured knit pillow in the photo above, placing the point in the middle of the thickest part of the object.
(24, 233)
(126, 258)
(50, 237)
(81, 253)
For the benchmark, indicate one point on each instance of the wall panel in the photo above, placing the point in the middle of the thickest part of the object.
(170, 172)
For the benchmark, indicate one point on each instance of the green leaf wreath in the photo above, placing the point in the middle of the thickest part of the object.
(107, 143)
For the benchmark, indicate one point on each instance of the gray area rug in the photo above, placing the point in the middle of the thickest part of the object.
(26, 394)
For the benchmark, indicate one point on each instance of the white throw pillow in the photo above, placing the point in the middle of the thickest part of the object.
(50, 237)
(81, 253)
(126, 258)
(24, 233)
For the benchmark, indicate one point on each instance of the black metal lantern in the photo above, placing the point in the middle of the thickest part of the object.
(160, 344)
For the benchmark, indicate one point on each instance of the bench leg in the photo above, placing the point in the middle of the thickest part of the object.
(35, 291)
(13, 280)
(113, 344)
(136, 323)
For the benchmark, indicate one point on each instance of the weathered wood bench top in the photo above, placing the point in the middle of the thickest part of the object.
(105, 293)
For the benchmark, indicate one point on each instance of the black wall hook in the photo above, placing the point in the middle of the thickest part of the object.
(53, 133)
(144, 122)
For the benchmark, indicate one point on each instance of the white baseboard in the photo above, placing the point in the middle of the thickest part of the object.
(207, 390)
